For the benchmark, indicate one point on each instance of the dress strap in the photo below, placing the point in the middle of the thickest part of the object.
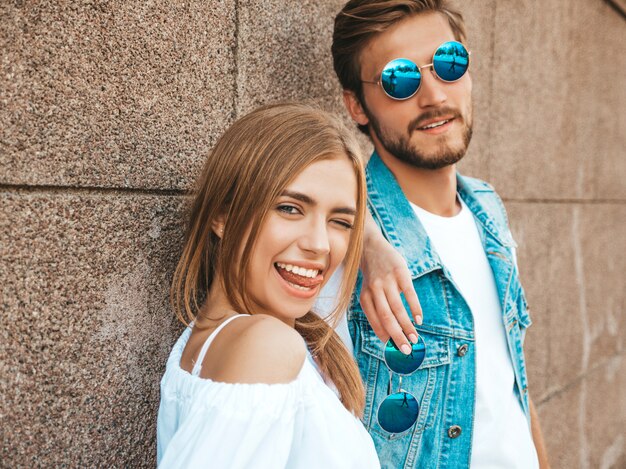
(198, 365)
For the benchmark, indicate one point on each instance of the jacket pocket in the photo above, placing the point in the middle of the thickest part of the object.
(425, 383)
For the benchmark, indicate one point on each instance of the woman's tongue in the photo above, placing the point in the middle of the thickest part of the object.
(298, 279)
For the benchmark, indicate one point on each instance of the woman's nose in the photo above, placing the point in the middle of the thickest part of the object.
(315, 239)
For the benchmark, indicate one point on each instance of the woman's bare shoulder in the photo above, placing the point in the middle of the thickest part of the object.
(256, 349)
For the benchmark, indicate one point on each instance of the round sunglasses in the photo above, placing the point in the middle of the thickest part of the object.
(402, 78)
(399, 410)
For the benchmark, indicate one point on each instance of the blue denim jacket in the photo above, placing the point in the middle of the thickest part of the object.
(444, 385)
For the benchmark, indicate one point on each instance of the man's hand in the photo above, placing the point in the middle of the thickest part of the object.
(385, 277)
(540, 445)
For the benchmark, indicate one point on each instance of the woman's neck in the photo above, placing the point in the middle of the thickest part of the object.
(218, 307)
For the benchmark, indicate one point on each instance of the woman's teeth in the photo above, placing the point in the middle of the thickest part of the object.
(310, 273)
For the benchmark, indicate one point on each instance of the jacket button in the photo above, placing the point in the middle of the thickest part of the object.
(462, 350)
(454, 431)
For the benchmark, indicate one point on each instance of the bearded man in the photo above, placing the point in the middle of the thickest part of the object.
(456, 394)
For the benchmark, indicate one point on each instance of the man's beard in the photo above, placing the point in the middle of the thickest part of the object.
(402, 149)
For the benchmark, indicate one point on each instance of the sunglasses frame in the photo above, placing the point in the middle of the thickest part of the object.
(400, 390)
(420, 70)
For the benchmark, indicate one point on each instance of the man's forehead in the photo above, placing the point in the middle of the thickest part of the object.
(414, 38)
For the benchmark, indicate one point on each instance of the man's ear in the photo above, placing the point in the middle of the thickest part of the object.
(353, 105)
(217, 225)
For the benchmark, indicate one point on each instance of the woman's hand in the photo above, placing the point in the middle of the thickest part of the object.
(385, 276)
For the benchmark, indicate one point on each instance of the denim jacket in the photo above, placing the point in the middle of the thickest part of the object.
(445, 383)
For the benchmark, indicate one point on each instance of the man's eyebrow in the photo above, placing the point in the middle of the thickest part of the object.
(308, 200)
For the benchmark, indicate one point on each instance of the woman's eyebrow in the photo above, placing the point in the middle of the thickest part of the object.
(308, 200)
(299, 196)
(345, 210)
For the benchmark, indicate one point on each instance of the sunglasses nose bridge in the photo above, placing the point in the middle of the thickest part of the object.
(431, 68)
(432, 91)
(425, 68)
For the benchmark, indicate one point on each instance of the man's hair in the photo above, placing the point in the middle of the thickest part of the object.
(360, 20)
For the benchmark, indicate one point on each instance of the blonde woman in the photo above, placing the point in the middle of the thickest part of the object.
(279, 205)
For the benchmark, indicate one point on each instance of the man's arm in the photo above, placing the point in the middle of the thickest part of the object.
(540, 444)
(385, 277)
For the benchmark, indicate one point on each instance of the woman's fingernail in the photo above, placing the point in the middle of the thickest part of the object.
(405, 349)
(413, 338)
(419, 320)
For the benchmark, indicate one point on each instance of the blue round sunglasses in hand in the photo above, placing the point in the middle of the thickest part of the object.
(398, 412)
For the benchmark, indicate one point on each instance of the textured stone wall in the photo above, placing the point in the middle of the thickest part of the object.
(107, 109)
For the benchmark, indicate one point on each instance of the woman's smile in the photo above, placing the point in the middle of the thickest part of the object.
(305, 281)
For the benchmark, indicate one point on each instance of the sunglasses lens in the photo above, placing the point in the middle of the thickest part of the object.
(451, 61)
(403, 364)
(401, 78)
(398, 412)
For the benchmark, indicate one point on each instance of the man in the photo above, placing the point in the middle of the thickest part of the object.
(405, 74)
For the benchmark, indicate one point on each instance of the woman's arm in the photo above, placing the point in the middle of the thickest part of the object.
(240, 416)
(385, 276)
(256, 349)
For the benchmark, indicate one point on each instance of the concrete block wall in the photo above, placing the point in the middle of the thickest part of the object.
(107, 110)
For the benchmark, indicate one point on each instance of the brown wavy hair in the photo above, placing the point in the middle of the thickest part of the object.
(250, 165)
(360, 20)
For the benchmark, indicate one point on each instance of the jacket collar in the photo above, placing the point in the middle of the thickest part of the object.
(401, 226)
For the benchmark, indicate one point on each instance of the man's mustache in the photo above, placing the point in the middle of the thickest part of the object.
(420, 121)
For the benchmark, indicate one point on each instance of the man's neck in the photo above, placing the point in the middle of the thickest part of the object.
(433, 190)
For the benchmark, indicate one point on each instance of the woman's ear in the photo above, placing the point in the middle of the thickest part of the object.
(217, 226)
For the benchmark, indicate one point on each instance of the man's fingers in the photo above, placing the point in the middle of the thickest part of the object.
(406, 284)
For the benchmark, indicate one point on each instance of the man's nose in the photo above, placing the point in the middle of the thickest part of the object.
(315, 239)
(432, 90)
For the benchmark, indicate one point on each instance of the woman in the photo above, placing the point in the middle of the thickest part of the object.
(279, 205)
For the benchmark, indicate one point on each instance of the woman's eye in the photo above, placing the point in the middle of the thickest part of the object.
(344, 224)
(288, 209)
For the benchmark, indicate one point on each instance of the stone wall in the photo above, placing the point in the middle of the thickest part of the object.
(107, 110)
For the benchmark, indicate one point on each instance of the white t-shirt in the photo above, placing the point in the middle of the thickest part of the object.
(502, 436)
(325, 304)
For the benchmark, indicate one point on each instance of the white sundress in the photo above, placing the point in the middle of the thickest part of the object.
(301, 424)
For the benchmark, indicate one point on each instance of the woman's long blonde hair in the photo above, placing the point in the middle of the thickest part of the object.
(249, 167)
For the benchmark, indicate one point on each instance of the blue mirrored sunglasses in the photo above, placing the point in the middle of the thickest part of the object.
(399, 410)
(402, 78)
